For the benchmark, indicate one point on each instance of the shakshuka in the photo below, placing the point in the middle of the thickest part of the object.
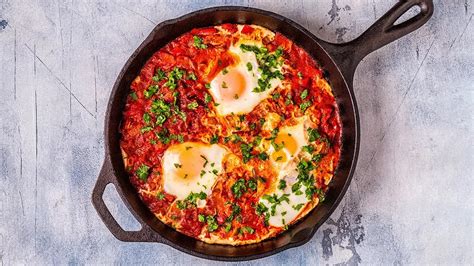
(231, 134)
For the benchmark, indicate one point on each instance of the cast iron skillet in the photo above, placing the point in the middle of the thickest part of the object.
(339, 60)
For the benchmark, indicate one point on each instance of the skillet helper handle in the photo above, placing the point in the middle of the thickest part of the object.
(106, 177)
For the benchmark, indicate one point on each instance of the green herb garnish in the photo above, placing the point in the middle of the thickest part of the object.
(151, 90)
(160, 75)
(211, 223)
(268, 64)
(142, 172)
(160, 195)
(282, 184)
(134, 96)
(298, 206)
(198, 42)
(193, 105)
(304, 94)
(313, 134)
(238, 188)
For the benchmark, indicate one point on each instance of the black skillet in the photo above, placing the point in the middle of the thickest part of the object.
(340, 62)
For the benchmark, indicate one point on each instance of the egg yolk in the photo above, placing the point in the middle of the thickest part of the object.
(231, 84)
(191, 163)
(288, 143)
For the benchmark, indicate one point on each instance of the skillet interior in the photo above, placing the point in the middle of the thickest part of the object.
(297, 234)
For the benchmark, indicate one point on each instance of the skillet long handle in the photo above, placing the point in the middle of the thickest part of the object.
(106, 176)
(383, 31)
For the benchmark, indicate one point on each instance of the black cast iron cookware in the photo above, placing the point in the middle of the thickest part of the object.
(339, 61)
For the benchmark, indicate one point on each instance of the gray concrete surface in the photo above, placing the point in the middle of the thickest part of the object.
(411, 201)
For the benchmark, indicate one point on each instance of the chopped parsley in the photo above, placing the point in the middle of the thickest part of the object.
(207, 98)
(282, 184)
(214, 139)
(211, 223)
(246, 150)
(142, 172)
(165, 138)
(248, 229)
(193, 197)
(160, 75)
(192, 76)
(288, 99)
(179, 138)
(173, 77)
(252, 184)
(225, 71)
(146, 129)
(316, 158)
(249, 66)
(146, 118)
(268, 64)
(313, 134)
(151, 90)
(134, 96)
(308, 148)
(161, 109)
(305, 178)
(305, 105)
(274, 200)
(235, 211)
(201, 218)
(298, 207)
(193, 105)
(180, 204)
(257, 141)
(261, 208)
(198, 42)
(263, 156)
(234, 138)
(321, 194)
(160, 195)
(238, 188)
(304, 94)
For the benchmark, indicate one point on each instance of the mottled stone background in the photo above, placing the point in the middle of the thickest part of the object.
(411, 201)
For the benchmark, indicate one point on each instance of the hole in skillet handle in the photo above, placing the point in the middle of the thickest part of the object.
(412, 12)
(106, 177)
(385, 30)
(118, 209)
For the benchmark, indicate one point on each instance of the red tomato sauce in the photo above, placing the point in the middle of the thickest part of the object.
(143, 146)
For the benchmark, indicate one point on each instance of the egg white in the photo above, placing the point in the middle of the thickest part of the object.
(297, 132)
(246, 102)
(286, 212)
(182, 187)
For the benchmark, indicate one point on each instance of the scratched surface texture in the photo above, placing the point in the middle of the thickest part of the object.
(411, 200)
